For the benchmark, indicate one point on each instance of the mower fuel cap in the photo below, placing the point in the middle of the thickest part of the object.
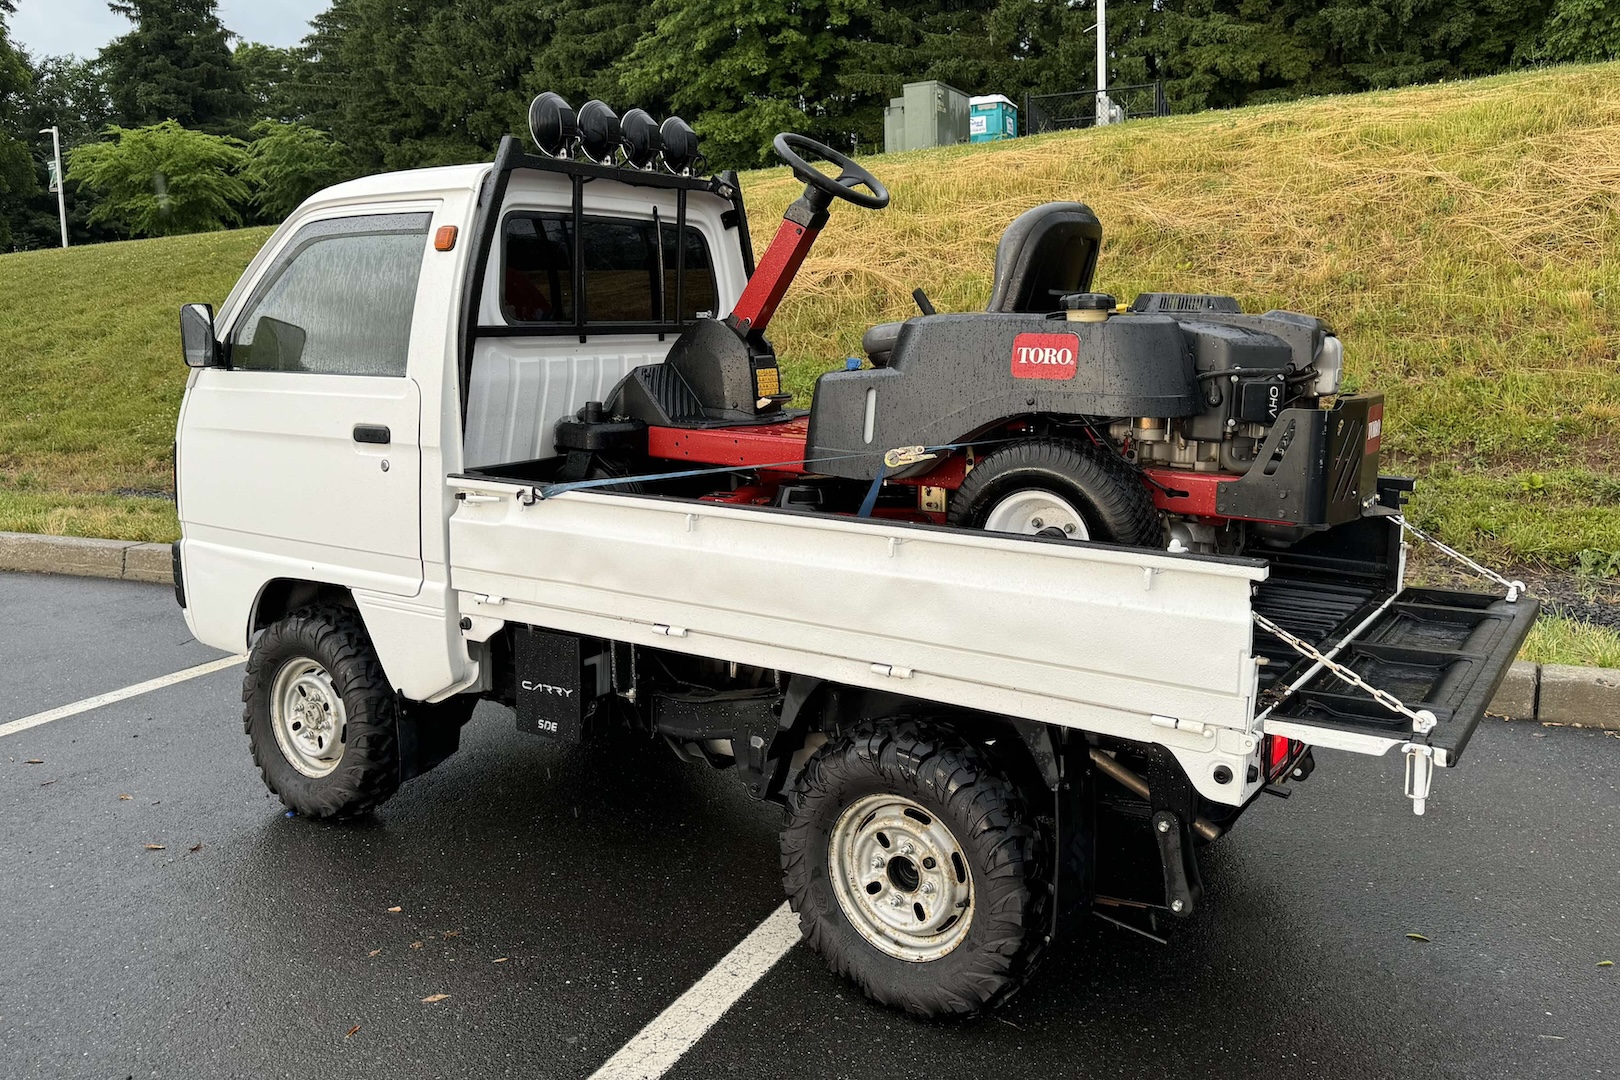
(1087, 306)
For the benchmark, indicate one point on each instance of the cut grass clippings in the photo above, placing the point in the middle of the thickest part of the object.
(1463, 238)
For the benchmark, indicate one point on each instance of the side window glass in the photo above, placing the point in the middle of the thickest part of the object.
(339, 301)
(621, 261)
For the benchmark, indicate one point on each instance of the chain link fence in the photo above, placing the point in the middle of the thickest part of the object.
(1078, 109)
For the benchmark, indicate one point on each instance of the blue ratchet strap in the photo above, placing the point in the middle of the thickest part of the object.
(869, 503)
(551, 490)
(902, 456)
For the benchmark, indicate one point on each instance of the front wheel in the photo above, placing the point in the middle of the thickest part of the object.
(916, 868)
(320, 716)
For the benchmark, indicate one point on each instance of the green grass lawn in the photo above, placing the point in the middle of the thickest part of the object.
(1464, 239)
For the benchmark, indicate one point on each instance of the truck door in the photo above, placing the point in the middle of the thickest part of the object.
(305, 448)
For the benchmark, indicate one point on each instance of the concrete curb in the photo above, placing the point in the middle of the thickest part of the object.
(1548, 693)
(85, 557)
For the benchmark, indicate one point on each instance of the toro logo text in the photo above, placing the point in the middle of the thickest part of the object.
(1045, 356)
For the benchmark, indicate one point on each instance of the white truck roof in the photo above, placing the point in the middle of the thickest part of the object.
(410, 182)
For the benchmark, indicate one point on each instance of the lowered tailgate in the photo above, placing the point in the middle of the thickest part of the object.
(1434, 650)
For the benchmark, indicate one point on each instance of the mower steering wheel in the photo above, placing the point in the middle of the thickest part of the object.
(844, 185)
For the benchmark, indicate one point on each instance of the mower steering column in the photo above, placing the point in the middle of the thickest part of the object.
(800, 226)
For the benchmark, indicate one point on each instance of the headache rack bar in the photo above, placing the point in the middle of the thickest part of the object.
(510, 158)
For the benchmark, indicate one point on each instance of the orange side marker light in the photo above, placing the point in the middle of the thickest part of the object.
(445, 238)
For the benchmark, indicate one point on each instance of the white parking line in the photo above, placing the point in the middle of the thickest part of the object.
(119, 695)
(659, 1045)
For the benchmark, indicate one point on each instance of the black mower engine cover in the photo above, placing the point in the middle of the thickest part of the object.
(951, 375)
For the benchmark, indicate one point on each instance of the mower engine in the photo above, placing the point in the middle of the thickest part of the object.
(1249, 368)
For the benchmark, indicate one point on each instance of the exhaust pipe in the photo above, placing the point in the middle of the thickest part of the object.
(1139, 787)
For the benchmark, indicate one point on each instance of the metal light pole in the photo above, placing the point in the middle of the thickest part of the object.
(1103, 105)
(61, 195)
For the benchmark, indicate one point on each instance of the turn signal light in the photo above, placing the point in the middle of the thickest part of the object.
(445, 238)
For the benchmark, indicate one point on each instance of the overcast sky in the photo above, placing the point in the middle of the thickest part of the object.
(82, 27)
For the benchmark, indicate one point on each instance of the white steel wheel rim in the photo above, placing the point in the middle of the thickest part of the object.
(901, 878)
(1033, 510)
(307, 716)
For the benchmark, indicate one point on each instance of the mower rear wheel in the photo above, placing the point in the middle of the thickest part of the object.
(1059, 488)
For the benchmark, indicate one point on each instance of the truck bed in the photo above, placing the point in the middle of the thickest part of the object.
(1125, 642)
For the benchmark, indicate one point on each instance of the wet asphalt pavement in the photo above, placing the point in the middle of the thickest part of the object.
(606, 882)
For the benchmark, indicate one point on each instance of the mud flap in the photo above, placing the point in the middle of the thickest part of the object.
(1174, 809)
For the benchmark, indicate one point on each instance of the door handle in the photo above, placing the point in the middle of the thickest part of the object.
(372, 433)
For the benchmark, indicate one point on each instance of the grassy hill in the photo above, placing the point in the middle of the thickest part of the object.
(1464, 239)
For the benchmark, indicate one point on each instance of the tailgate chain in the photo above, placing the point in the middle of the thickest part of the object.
(1514, 588)
(1423, 721)
(1420, 758)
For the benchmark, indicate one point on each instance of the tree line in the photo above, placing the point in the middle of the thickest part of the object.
(178, 126)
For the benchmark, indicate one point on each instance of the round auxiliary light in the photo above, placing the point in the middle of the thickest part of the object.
(638, 134)
(598, 131)
(553, 124)
(680, 145)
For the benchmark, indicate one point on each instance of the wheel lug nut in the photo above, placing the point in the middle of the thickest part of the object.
(894, 900)
(906, 848)
(1069, 529)
(928, 886)
(877, 862)
(1038, 523)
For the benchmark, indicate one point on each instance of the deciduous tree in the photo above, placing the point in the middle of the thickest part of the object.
(164, 179)
(287, 163)
(17, 177)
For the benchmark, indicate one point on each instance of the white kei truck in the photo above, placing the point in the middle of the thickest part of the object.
(1029, 605)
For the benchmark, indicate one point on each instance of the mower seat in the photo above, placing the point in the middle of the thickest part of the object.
(1045, 253)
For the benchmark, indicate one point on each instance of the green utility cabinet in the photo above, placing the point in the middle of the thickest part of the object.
(925, 114)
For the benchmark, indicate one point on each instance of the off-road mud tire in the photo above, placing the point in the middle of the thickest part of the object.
(368, 772)
(999, 839)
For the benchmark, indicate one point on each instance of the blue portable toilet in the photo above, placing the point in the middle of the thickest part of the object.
(992, 117)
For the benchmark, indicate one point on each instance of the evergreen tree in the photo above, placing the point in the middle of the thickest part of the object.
(582, 42)
(744, 70)
(174, 65)
(18, 181)
(421, 82)
(269, 81)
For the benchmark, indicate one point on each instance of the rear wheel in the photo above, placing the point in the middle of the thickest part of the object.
(916, 868)
(320, 717)
(1058, 488)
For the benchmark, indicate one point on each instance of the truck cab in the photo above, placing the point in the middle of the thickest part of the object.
(354, 375)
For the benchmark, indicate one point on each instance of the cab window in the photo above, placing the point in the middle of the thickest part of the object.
(338, 301)
(629, 271)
